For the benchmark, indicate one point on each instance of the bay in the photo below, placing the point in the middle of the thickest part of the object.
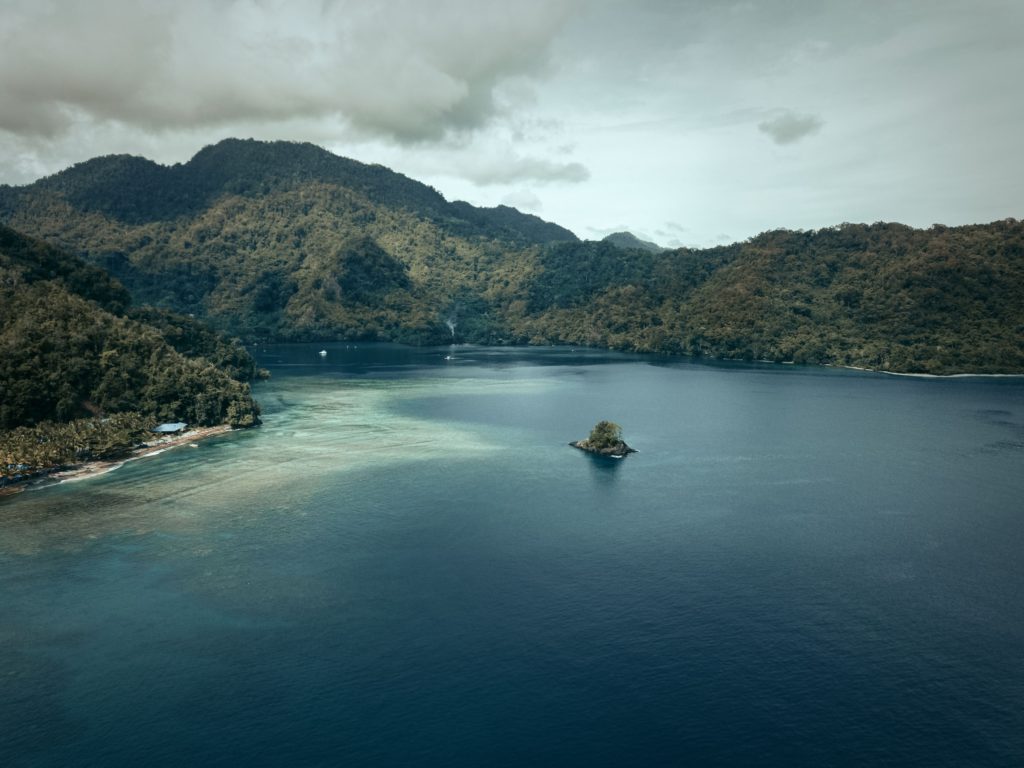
(407, 565)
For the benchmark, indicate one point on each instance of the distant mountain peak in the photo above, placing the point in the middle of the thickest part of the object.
(629, 240)
(137, 191)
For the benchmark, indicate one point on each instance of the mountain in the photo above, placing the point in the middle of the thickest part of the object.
(289, 242)
(629, 240)
(881, 296)
(70, 347)
(280, 240)
(134, 191)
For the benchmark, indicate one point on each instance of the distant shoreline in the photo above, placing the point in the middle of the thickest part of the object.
(932, 375)
(90, 469)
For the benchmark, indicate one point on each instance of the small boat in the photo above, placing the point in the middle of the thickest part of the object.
(323, 353)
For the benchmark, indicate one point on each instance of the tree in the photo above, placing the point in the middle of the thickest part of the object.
(605, 434)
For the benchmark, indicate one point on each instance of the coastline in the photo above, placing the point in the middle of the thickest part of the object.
(75, 472)
(956, 375)
(931, 375)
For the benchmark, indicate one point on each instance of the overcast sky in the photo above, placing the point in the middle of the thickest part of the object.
(688, 122)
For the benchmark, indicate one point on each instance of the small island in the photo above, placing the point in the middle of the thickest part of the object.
(605, 440)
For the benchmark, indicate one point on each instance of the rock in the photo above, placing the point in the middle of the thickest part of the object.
(617, 450)
(605, 440)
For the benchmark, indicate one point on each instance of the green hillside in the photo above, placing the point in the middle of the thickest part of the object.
(289, 242)
(279, 240)
(629, 240)
(71, 348)
(883, 296)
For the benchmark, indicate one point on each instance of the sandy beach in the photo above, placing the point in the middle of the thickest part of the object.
(89, 469)
(929, 375)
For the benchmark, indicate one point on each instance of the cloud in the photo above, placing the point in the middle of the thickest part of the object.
(509, 168)
(482, 99)
(789, 127)
(602, 232)
(524, 200)
(671, 228)
(398, 69)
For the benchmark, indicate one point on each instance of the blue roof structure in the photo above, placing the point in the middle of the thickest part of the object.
(175, 426)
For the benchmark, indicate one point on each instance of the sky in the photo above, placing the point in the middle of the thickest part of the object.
(687, 122)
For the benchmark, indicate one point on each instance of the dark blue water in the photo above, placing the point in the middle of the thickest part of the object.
(407, 565)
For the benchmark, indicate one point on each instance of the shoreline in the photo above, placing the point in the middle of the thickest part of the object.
(930, 375)
(88, 469)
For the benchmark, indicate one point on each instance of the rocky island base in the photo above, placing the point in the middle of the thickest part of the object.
(605, 440)
(616, 451)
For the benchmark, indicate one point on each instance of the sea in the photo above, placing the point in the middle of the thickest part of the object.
(408, 565)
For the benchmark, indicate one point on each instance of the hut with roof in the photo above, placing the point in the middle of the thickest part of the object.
(170, 428)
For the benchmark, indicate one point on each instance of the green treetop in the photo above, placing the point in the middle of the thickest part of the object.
(605, 434)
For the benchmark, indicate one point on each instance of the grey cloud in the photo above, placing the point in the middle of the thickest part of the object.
(510, 169)
(675, 235)
(402, 70)
(789, 127)
(601, 232)
(671, 228)
(524, 200)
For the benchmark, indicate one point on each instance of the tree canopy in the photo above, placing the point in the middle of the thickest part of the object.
(605, 434)
(288, 242)
(72, 353)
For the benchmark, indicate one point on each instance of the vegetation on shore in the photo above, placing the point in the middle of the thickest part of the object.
(83, 375)
(27, 451)
(288, 242)
(880, 296)
(605, 439)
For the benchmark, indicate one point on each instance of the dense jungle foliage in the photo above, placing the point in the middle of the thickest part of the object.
(882, 296)
(279, 240)
(288, 242)
(72, 348)
(26, 451)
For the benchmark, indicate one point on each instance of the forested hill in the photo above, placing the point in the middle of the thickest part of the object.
(70, 347)
(629, 240)
(133, 190)
(286, 241)
(882, 296)
(280, 240)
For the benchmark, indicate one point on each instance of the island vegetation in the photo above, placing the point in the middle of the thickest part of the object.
(84, 375)
(605, 439)
(284, 241)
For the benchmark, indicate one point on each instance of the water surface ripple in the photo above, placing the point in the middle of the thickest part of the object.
(407, 565)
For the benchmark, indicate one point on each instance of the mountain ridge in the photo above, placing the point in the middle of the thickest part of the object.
(282, 252)
(629, 240)
(70, 347)
(136, 190)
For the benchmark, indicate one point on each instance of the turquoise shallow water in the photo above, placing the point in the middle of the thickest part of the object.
(408, 565)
